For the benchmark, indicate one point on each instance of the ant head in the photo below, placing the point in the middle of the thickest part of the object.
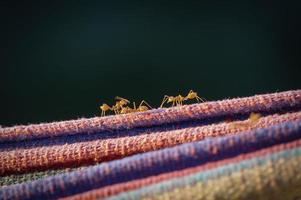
(192, 93)
(104, 106)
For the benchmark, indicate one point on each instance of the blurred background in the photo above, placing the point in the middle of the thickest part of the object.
(60, 61)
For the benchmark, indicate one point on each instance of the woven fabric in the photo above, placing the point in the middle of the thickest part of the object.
(201, 151)
(252, 179)
(147, 164)
(90, 152)
(131, 185)
(20, 178)
(260, 176)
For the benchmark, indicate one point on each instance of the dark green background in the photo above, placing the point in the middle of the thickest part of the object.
(61, 61)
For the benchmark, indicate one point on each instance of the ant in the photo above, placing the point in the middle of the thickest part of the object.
(121, 107)
(120, 104)
(116, 108)
(193, 95)
(252, 120)
(178, 100)
(141, 108)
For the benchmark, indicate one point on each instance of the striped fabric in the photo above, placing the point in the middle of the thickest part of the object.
(201, 151)
(260, 176)
(122, 187)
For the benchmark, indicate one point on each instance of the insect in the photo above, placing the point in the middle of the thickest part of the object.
(193, 95)
(127, 109)
(141, 108)
(178, 100)
(252, 120)
(104, 108)
(121, 103)
(168, 99)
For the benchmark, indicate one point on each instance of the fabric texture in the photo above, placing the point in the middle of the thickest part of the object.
(131, 185)
(210, 150)
(85, 153)
(258, 176)
(20, 178)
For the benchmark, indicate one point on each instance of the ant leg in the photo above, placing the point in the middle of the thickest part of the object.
(178, 102)
(164, 100)
(199, 98)
(145, 104)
